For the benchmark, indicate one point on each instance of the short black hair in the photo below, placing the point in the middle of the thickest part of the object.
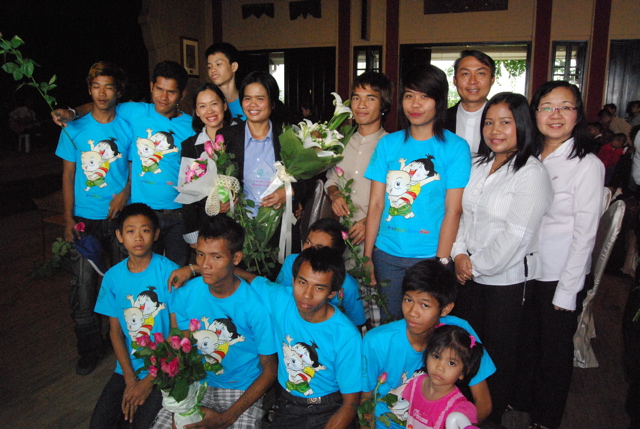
(225, 48)
(322, 260)
(196, 122)
(478, 55)
(222, 226)
(103, 68)
(431, 277)
(519, 107)
(171, 70)
(378, 82)
(457, 339)
(264, 79)
(432, 81)
(582, 144)
(334, 229)
(136, 209)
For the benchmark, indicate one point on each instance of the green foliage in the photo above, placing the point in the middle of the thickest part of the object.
(60, 259)
(23, 68)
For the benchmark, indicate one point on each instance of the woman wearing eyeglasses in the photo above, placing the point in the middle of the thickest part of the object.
(566, 239)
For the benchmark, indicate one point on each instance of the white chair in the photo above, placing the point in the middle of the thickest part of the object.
(606, 199)
(608, 230)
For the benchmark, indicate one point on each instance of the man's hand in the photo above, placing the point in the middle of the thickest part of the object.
(212, 420)
(179, 277)
(61, 117)
(136, 393)
(69, 232)
(117, 204)
(339, 205)
(356, 233)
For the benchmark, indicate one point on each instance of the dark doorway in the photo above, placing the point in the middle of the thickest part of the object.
(309, 76)
(624, 74)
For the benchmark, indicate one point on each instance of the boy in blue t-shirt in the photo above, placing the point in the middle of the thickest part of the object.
(429, 291)
(236, 335)
(95, 186)
(328, 233)
(159, 128)
(134, 298)
(319, 348)
(222, 65)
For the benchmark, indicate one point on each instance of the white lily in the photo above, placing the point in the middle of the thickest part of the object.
(340, 107)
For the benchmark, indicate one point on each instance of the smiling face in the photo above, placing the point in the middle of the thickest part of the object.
(366, 107)
(137, 235)
(221, 72)
(312, 291)
(103, 93)
(499, 131)
(557, 126)
(473, 81)
(419, 108)
(216, 260)
(210, 109)
(422, 312)
(444, 368)
(256, 104)
(166, 95)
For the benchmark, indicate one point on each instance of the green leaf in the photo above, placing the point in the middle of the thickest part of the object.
(53, 79)
(180, 390)
(17, 74)
(28, 69)
(10, 67)
(16, 42)
(384, 420)
(390, 399)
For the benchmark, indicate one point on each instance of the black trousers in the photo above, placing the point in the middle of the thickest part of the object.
(495, 312)
(545, 363)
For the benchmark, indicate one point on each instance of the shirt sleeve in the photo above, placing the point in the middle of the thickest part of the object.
(105, 304)
(532, 196)
(348, 369)
(467, 408)
(332, 179)
(587, 207)
(65, 148)
(459, 168)
(371, 363)
(352, 303)
(378, 167)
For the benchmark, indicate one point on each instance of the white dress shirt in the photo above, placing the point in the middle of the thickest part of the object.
(468, 126)
(501, 214)
(357, 155)
(568, 231)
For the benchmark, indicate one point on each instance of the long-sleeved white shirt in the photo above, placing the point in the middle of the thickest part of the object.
(501, 215)
(568, 231)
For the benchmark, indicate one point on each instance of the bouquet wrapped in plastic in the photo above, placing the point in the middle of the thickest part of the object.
(307, 149)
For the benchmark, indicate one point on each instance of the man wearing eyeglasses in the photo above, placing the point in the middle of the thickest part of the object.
(474, 76)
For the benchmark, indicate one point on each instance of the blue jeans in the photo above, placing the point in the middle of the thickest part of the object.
(108, 411)
(85, 285)
(392, 268)
(170, 242)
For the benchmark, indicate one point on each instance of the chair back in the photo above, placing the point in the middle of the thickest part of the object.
(606, 199)
(608, 230)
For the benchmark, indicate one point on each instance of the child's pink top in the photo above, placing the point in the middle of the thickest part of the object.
(424, 414)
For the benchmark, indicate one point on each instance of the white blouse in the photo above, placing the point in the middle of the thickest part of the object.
(568, 231)
(501, 214)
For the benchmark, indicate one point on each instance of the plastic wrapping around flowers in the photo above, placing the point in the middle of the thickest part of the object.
(307, 149)
(200, 178)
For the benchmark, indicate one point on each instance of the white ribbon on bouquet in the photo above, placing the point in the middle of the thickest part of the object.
(280, 178)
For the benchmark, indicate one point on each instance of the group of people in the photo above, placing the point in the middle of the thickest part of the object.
(479, 219)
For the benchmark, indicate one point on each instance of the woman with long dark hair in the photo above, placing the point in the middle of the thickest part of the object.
(417, 178)
(566, 239)
(496, 250)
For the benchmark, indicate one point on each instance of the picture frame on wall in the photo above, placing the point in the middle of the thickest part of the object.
(189, 55)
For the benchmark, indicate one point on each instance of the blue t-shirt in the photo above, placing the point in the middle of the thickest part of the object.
(140, 301)
(155, 154)
(314, 359)
(235, 107)
(102, 170)
(417, 175)
(233, 331)
(387, 349)
(350, 300)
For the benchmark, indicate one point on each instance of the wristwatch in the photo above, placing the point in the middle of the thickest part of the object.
(444, 261)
